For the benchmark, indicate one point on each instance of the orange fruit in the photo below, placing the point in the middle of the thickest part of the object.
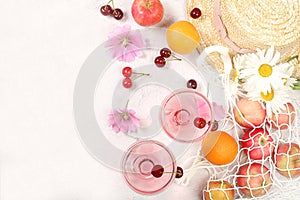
(182, 37)
(219, 148)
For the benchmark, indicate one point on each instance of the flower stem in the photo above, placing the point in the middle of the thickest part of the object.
(126, 104)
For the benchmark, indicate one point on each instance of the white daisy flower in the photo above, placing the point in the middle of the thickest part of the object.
(239, 62)
(261, 72)
(273, 101)
(288, 69)
(235, 76)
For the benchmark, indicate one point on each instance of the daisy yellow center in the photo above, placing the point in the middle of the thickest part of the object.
(284, 81)
(265, 70)
(267, 97)
(235, 74)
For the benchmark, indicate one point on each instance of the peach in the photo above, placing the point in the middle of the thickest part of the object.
(287, 160)
(284, 118)
(218, 189)
(254, 179)
(257, 143)
(251, 113)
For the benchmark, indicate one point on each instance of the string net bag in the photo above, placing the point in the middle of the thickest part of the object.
(273, 176)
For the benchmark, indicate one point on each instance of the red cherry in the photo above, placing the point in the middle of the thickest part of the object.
(195, 13)
(127, 83)
(214, 125)
(160, 61)
(191, 84)
(106, 10)
(127, 71)
(199, 122)
(157, 171)
(179, 172)
(117, 13)
(165, 52)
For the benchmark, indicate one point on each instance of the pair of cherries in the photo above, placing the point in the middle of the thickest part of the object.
(127, 73)
(200, 123)
(158, 170)
(161, 60)
(107, 10)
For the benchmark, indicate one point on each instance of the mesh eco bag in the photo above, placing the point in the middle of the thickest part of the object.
(280, 187)
(250, 24)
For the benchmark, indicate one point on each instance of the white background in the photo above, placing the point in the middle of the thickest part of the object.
(42, 47)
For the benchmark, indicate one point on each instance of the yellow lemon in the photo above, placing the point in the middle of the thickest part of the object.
(182, 37)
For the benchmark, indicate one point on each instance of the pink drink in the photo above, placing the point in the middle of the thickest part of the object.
(138, 162)
(178, 112)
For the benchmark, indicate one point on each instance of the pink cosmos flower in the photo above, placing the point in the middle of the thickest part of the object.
(123, 120)
(125, 44)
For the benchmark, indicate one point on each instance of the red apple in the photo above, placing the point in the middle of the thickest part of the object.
(254, 179)
(257, 143)
(284, 119)
(287, 160)
(251, 113)
(218, 189)
(147, 12)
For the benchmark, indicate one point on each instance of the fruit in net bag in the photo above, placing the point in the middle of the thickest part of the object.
(218, 189)
(287, 160)
(284, 119)
(248, 113)
(257, 143)
(219, 148)
(254, 179)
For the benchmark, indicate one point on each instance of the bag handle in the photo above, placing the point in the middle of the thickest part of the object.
(224, 56)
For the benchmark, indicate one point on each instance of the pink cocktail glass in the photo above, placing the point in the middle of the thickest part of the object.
(178, 112)
(138, 162)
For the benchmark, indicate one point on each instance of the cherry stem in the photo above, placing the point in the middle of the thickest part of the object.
(172, 173)
(140, 75)
(175, 57)
(112, 1)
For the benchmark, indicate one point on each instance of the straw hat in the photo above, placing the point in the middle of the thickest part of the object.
(250, 24)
